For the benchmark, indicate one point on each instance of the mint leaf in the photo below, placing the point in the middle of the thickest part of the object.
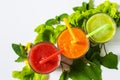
(82, 70)
(17, 49)
(51, 22)
(20, 59)
(20, 51)
(64, 75)
(110, 61)
(60, 17)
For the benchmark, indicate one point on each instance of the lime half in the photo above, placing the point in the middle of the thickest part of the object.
(98, 20)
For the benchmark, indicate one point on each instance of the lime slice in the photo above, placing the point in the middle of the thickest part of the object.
(97, 21)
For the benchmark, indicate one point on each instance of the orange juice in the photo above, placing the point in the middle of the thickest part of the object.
(73, 50)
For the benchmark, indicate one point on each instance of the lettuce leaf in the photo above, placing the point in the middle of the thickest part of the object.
(82, 13)
(48, 33)
(28, 74)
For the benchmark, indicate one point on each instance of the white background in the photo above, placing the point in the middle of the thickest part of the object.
(18, 18)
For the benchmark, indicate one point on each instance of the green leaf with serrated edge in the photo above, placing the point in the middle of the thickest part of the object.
(82, 70)
(16, 74)
(64, 15)
(76, 8)
(20, 51)
(117, 19)
(37, 76)
(81, 8)
(17, 49)
(40, 28)
(20, 59)
(28, 74)
(23, 51)
(51, 22)
(64, 75)
(93, 53)
(38, 38)
(43, 77)
(110, 60)
(25, 73)
(49, 33)
(45, 33)
(90, 4)
(84, 6)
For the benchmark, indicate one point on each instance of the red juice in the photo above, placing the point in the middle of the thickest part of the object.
(40, 52)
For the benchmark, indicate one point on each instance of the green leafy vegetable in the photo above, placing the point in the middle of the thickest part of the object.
(82, 13)
(85, 6)
(82, 70)
(60, 17)
(110, 61)
(25, 74)
(89, 67)
(51, 22)
(45, 33)
(81, 8)
(48, 33)
(91, 4)
(28, 74)
(50, 30)
(20, 51)
(85, 70)
(93, 53)
(64, 76)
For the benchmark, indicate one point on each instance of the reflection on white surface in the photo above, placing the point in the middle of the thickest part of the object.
(18, 18)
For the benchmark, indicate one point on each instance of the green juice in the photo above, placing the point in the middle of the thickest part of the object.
(97, 21)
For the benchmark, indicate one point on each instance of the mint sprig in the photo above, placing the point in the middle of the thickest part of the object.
(20, 51)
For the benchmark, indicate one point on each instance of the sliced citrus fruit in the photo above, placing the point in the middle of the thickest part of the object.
(98, 20)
